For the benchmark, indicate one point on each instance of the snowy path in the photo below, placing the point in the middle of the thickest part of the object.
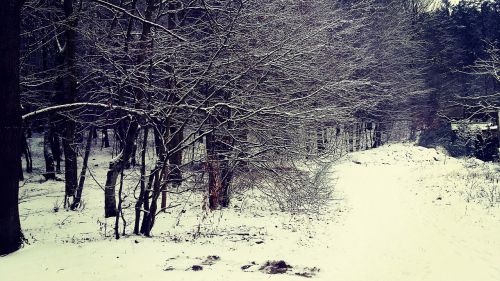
(402, 217)
(399, 231)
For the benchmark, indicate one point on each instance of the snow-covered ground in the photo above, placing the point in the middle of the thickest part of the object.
(400, 212)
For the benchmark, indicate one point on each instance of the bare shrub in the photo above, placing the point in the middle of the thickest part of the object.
(297, 190)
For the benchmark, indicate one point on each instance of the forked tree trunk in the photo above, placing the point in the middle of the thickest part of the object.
(115, 167)
(145, 225)
(151, 215)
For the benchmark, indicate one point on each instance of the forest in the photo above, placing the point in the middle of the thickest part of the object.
(125, 108)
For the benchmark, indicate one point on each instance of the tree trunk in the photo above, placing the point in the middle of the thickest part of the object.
(27, 154)
(140, 199)
(145, 226)
(498, 133)
(105, 138)
(115, 167)
(81, 183)
(320, 144)
(120, 201)
(10, 127)
(50, 173)
(70, 161)
(175, 159)
(70, 89)
(377, 139)
(158, 185)
(219, 171)
(55, 145)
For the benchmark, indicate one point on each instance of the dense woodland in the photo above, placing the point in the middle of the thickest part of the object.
(221, 90)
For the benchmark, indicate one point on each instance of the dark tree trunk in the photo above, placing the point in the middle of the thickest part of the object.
(145, 225)
(81, 183)
(115, 167)
(154, 186)
(69, 93)
(133, 160)
(158, 185)
(320, 144)
(105, 138)
(120, 201)
(219, 149)
(219, 171)
(70, 161)
(50, 173)
(377, 139)
(10, 127)
(141, 199)
(27, 154)
(175, 159)
(227, 177)
(55, 145)
(497, 119)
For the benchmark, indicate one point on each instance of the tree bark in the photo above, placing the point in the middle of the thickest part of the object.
(27, 154)
(69, 94)
(50, 173)
(105, 138)
(175, 159)
(115, 167)
(81, 183)
(141, 199)
(70, 161)
(55, 145)
(10, 127)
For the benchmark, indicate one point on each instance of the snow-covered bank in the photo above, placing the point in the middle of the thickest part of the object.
(401, 212)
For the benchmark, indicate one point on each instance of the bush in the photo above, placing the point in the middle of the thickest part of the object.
(463, 142)
(297, 190)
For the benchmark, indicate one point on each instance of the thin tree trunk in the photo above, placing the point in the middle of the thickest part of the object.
(105, 138)
(27, 154)
(81, 183)
(498, 132)
(120, 200)
(378, 135)
(175, 159)
(145, 225)
(55, 146)
(70, 162)
(50, 173)
(141, 199)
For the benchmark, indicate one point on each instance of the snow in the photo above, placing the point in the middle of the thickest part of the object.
(400, 212)
(477, 126)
